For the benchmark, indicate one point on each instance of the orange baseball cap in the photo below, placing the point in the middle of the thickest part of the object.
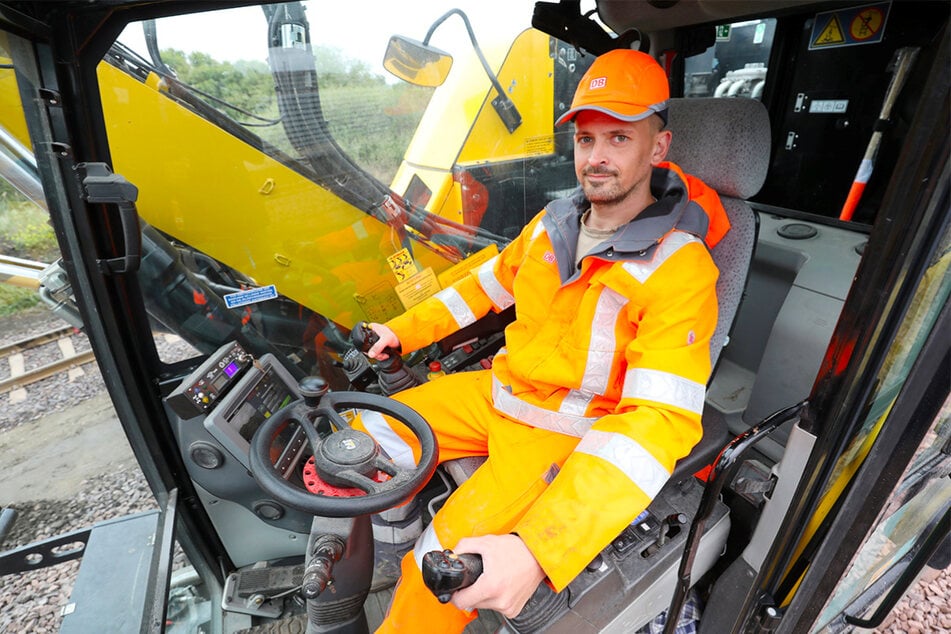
(623, 83)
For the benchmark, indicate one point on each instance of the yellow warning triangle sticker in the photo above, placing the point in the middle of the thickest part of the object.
(831, 34)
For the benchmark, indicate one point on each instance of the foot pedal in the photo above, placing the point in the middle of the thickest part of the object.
(260, 590)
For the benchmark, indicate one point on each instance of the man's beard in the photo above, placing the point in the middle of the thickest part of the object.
(607, 193)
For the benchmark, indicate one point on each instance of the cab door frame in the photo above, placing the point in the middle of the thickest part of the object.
(56, 51)
(913, 220)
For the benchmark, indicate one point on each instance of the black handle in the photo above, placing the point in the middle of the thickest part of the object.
(100, 185)
(445, 572)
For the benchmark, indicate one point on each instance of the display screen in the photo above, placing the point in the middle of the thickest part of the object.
(264, 399)
(219, 382)
(232, 368)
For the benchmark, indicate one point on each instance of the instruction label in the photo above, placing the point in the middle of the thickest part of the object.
(849, 27)
(252, 296)
(379, 302)
(459, 270)
(417, 288)
(829, 106)
(539, 145)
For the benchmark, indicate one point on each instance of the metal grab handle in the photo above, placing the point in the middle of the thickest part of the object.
(723, 468)
(100, 185)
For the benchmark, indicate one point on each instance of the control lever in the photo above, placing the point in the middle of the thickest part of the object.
(364, 337)
(670, 527)
(319, 571)
(445, 572)
(394, 375)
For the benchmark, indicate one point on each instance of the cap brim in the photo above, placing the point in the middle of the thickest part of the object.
(630, 118)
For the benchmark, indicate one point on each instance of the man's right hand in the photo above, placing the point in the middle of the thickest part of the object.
(387, 339)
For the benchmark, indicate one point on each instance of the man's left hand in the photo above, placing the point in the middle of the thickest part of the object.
(510, 575)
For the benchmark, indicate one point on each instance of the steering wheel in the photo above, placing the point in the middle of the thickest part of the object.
(346, 457)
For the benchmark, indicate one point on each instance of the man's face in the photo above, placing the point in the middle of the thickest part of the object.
(614, 158)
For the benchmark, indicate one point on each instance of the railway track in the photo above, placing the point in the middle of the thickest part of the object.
(69, 360)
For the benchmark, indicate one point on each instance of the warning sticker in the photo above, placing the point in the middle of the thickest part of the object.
(831, 34)
(849, 27)
(402, 265)
(868, 23)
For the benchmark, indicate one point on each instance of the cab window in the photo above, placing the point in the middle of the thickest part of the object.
(736, 65)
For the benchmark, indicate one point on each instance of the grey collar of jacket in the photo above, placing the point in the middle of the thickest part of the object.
(637, 239)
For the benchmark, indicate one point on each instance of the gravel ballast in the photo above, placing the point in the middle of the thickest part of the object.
(31, 602)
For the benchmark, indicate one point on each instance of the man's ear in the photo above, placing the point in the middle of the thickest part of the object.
(661, 146)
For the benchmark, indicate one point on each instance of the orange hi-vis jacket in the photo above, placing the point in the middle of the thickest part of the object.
(615, 353)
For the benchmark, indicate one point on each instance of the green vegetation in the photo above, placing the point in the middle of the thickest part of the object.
(14, 299)
(371, 120)
(24, 233)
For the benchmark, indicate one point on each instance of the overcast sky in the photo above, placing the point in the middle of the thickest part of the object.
(240, 34)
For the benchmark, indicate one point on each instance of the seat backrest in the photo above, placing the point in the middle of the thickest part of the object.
(725, 143)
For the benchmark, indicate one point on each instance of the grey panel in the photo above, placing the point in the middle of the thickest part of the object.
(246, 538)
(793, 353)
(117, 563)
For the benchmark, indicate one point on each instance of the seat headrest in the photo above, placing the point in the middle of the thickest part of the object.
(723, 142)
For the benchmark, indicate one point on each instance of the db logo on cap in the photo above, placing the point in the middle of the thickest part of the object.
(598, 82)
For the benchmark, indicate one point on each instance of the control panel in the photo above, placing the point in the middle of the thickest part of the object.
(200, 390)
(214, 413)
(262, 390)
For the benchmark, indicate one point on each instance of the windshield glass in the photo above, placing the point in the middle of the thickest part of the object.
(286, 176)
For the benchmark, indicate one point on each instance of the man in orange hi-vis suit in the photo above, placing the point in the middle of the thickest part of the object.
(599, 389)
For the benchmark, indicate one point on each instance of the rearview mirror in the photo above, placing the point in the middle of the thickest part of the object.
(416, 63)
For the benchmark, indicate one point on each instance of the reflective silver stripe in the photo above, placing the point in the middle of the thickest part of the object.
(670, 245)
(457, 306)
(538, 230)
(395, 447)
(427, 541)
(601, 349)
(665, 388)
(576, 402)
(492, 287)
(511, 405)
(637, 463)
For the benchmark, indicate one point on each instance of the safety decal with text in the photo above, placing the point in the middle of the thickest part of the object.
(849, 27)
(252, 296)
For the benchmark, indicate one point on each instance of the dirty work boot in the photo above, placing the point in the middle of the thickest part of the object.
(394, 533)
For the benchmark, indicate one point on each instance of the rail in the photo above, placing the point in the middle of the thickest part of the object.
(20, 377)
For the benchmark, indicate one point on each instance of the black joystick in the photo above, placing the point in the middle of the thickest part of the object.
(445, 572)
(394, 375)
(364, 337)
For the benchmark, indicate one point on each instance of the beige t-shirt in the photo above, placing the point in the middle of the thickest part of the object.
(589, 238)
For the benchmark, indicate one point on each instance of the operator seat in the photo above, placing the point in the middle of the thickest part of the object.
(725, 143)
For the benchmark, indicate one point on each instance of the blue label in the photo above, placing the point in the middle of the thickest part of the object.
(253, 296)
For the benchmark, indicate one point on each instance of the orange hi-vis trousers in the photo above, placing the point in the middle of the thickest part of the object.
(522, 462)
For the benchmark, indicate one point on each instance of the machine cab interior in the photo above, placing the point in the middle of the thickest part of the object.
(256, 181)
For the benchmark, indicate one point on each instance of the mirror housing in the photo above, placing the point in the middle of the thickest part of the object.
(415, 62)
